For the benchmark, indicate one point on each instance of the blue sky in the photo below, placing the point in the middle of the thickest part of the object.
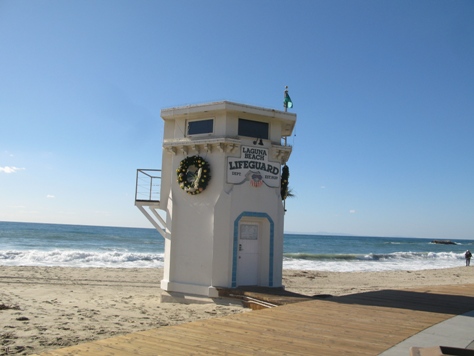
(383, 90)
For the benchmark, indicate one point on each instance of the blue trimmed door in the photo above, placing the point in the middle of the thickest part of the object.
(248, 254)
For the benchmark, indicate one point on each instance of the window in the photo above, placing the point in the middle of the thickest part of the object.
(199, 127)
(255, 129)
(248, 231)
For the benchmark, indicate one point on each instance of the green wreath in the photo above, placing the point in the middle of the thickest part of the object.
(193, 174)
(285, 175)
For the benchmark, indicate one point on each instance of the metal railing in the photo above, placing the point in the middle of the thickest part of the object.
(148, 185)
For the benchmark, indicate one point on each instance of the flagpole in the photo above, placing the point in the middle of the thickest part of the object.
(285, 105)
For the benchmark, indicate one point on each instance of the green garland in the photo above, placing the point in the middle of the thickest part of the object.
(285, 175)
(193, 174)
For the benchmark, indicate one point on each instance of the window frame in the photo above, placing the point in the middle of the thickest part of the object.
(258, 131)
(199, 132)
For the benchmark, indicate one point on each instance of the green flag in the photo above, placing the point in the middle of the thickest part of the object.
(287, 103)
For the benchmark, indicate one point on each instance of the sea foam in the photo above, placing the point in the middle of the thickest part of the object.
(408, 261)
(77, 258)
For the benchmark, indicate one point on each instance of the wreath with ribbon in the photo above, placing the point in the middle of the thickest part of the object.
(194, 173)
(285, 175)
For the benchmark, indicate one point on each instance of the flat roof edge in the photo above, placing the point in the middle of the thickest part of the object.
(224, 106)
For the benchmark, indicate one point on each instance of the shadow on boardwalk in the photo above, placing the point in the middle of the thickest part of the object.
(428, 301)
(421, 300)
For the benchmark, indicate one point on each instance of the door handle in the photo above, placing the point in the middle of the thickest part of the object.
(240, 247)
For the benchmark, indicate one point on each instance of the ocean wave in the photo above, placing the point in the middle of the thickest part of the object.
(373, 256)
(306, 261)
(78, 258)
(408, 261)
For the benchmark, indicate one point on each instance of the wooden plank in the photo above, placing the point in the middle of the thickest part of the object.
(284, 328)
(359, 324)
(262, 338)
(207, 345)
(291, 335)
(364, 320)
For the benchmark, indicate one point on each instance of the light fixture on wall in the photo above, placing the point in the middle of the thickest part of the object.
(259, 140)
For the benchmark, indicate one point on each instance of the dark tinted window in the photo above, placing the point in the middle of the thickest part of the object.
(200, 127)
(255, 129)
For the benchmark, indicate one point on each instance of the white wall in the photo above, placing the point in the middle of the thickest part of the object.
(201, 251)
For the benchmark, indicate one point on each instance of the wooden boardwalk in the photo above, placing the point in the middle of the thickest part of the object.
(358, 324)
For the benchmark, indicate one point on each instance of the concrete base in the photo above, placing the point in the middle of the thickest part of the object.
(182, 298)
(189, 289)
(455, 332)
(440, 351)
(176, 297)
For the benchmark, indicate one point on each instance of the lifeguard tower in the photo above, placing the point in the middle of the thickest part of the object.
(218, 200)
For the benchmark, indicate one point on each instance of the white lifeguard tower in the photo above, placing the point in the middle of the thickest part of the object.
(220, 207)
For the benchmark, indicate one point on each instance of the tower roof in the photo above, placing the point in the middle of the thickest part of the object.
(287, 119)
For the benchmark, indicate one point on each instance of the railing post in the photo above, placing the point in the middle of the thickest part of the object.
(136, 185)
(151, 187)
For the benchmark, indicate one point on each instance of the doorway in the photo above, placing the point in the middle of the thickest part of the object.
(253, 243)
(248, 254)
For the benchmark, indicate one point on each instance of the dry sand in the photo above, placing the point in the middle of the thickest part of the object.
(44, 308)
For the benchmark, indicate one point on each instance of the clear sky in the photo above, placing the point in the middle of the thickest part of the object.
(383, 90)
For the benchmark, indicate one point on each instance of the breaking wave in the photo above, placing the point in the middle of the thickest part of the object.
(372, 262)
(77, 258)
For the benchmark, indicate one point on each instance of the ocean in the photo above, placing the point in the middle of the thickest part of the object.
(33, 244)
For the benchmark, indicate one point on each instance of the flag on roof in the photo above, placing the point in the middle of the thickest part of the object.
(287, 103)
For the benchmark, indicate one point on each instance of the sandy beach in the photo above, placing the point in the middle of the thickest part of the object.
(44, 308)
